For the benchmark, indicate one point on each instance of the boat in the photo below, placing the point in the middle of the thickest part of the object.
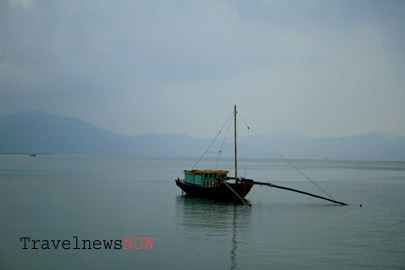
(213, 184)
(216, 184)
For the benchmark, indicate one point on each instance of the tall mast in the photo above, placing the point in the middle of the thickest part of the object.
(236, 149)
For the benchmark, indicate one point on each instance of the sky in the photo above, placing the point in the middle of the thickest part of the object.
(317, 68)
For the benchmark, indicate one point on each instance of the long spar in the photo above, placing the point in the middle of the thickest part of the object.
(236, 194)
(299, 191)
(290, 189)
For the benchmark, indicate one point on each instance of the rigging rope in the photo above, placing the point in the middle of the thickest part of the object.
(212, 142)
(247, 148)
(223, 142)
(286, 160)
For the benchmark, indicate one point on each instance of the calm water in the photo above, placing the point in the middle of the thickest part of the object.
(103, 198)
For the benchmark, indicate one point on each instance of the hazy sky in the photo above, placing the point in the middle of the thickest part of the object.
(320, 68)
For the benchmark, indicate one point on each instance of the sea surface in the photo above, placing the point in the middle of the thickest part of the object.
(50, 197)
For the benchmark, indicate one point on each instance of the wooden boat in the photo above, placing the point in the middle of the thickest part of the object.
(217, 184)
(213, 184)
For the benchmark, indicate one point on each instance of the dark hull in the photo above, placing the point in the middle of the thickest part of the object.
(220, 192)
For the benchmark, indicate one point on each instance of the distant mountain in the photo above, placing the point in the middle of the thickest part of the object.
(38, 132)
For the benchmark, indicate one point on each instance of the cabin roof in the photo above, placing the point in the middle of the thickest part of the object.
(205, 171)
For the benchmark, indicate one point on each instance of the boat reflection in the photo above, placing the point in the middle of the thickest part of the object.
(211, 225)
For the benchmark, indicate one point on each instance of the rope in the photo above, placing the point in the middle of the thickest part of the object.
(212, 142)
(286, 160)
(247, 149)
(223, 142)
(257, 193)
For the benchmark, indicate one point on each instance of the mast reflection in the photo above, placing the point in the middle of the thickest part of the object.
(211, 221)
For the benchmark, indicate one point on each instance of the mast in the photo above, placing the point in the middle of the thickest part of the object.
(236, 149)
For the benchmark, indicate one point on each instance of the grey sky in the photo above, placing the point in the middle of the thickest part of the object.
(320, 68)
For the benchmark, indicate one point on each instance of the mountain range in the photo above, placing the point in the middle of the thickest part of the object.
(39, 132)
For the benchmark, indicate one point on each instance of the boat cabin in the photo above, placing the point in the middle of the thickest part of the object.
(205, 178)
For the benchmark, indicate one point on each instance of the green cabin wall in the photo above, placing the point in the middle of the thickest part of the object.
(198, 179)
(189, 178)
(194, 179)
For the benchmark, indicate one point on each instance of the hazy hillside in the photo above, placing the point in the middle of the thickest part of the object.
(38, 132)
